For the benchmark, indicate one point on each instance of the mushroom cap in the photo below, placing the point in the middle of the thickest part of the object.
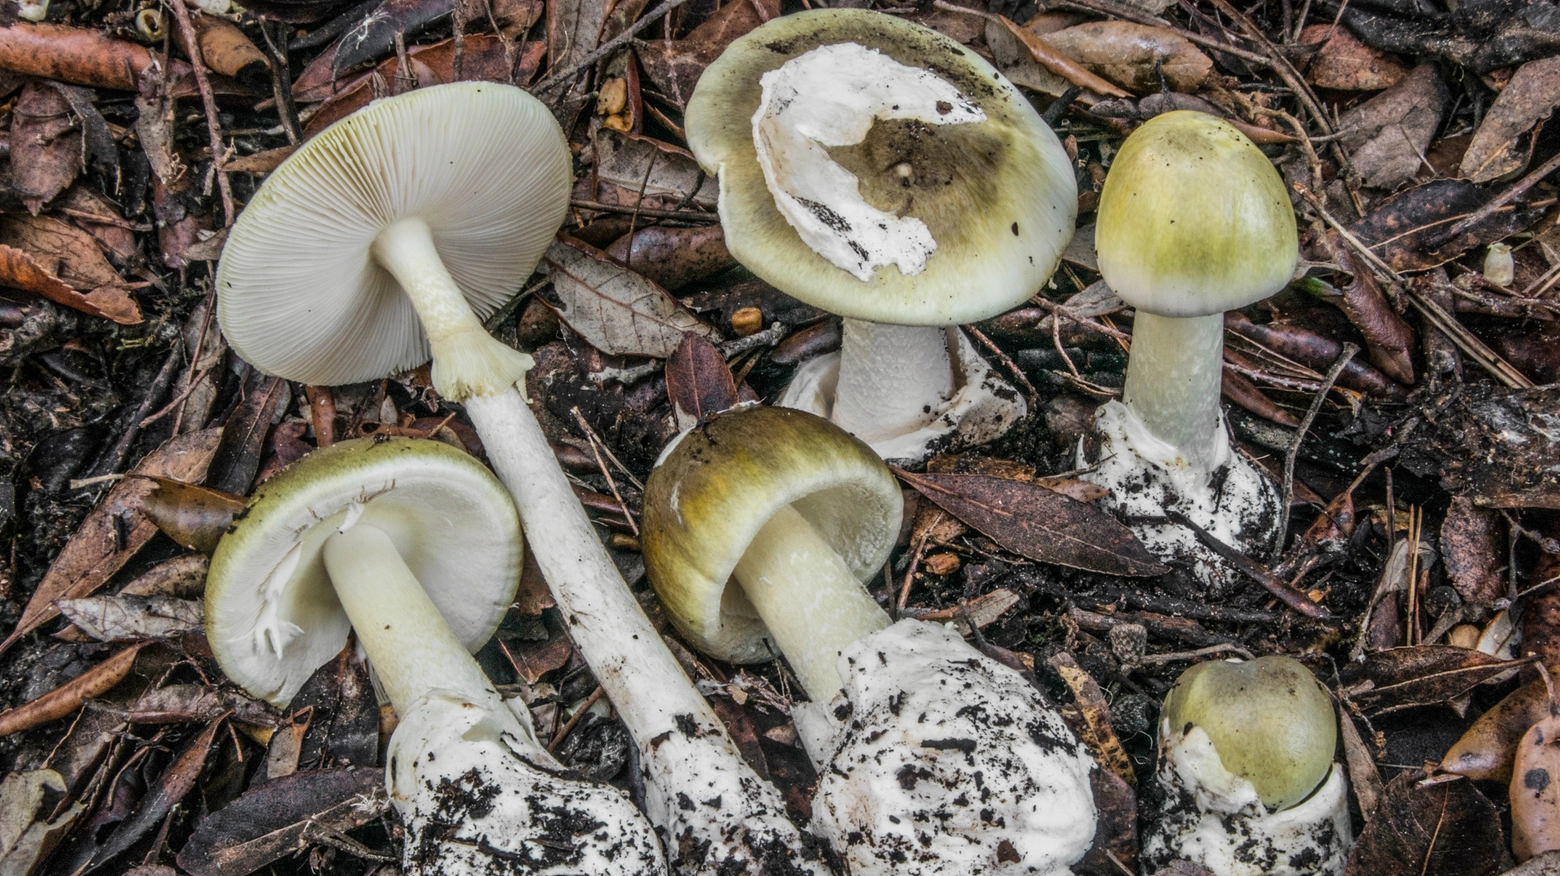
(299, 292)
(721, 482)
(1194, 220)
(1269, 719)
(998, 196)
(452, 522)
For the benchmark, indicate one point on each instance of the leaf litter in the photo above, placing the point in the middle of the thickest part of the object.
(129, 432)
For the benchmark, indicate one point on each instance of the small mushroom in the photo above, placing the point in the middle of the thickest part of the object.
(417, 547)
(879, 170)
(402, 226)
(1193, 221)
(933, 758)
(1246, 762)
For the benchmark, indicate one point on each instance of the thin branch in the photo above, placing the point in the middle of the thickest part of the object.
(1293, 451)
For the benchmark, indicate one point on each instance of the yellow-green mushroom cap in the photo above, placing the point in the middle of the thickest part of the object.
(452, 522)
(299, 293)
(722, 481)
(999, 197)
(1194, 219)
(1269, 719)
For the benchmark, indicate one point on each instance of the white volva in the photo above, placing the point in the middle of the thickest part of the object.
(831, 96)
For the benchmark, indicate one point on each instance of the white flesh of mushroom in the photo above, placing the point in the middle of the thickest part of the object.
(894, 383)
(946, 403)
(1146, 475)
(1215, 818)
(716, 813)
(947, 762)
(459, 748)
(831, 96)
(946, 755)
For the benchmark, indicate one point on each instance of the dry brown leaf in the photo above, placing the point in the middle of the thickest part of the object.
(1346, 64)
(1133, 55)
(1535, 793)
(635, 164)
(617, 311)
(675, 66)
(195, 517)
(698, 381)
(94, 554)
(1387, 135)
(20, 270)
(1440, 826)
(1473, 548)
(45, 145)
(1059, 64)
(69, 696)
(73, 259)
(673, 257)
(1388, 336)
(1487, 749)
(1501, 147)
(132, 618)
(1097, 731)
(99, 217)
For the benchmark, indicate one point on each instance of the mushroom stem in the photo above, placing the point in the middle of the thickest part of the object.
(685, 753)
(1173, 384)
(412, 648)
(808, 598)
(893, 379)
(466, 359)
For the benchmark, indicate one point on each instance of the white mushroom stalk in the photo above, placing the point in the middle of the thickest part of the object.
(888, 175)
(932, 757)
(426, 211)
(330, 539)
(1246, 765)
(1193, 221)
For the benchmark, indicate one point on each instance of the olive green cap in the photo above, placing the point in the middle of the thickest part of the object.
(722, 481)
(1193, 219)
(999, 196)
(1269, 719)
(453, 523)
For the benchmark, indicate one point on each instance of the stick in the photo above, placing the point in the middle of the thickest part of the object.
(209, 101)
(1293, 451)
(611, 46)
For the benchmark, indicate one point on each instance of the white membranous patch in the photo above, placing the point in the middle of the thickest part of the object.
(831, 96)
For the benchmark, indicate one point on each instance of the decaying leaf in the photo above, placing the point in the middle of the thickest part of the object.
(45, 145)
(1406, 229)
(1388, 337)
(42, 255)
(1134, 56)
(194, 516)
(1344, 63)
(629, 164)
(1388, 134)
(673, 257)
(181, 577)
(281, 817)
(1473, 548)
(237, 458)
(1500, 146)
(177, 703)
(698, 381)
(1535, 790)
(1440, 826)
(1421, 675)
(130, 618)
(1097, 731)
(69, 696)
(1487, 749)
(167, 792)
(94, 553)
(1038, 523)
(674, 66)
(1494, 446)
(617, 311)
(28, 831)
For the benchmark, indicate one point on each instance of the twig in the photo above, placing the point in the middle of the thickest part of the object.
(596, 440)
(1030, 394)
(1497, 202)
(595, 449)
(574, 720)
(1151, 659)
(154, 393)
(1274, 584)
(684, 215)
(1293, 451)
(1466, 341)
(607, 48)
(209, 101)
(281, 84)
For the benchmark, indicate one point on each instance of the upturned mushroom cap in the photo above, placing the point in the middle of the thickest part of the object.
(998, 196)
(272, 616)
(1269, 720)
(722, 481)
(299, 292)
(1194, 219)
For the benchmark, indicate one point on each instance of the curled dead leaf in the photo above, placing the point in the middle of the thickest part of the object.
(1486, 751)
(1501, 147)
(1134, 56)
